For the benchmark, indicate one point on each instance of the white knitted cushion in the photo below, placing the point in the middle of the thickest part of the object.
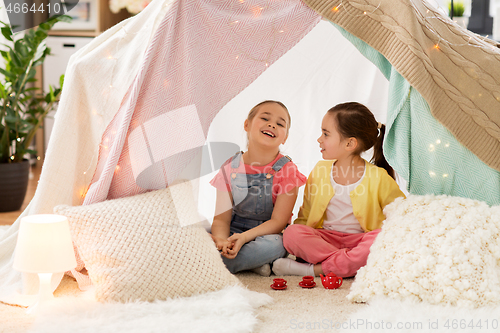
(134, 248)
(438, 249)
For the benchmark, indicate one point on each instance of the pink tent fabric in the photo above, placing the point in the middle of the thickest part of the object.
(203, 54)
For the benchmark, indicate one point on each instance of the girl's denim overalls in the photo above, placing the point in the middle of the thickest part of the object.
(253, 205)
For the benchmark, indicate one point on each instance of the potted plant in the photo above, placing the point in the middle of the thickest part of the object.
(22, 107)
(457, 12)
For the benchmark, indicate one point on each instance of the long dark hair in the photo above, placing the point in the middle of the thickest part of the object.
(356, 120)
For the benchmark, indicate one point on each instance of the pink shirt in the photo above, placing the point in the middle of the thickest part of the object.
(283, 181)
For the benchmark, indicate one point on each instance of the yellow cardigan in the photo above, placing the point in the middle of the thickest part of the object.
(376, 190)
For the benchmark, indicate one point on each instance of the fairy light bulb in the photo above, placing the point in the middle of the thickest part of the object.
(335, 9)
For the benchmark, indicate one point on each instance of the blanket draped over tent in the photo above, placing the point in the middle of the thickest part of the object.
(455, 70)
(421, 149)
(139, 99)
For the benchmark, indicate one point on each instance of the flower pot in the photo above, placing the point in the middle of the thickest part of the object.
(13, 184)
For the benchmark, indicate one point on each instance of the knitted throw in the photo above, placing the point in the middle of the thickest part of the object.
(455, 70)
(134, 248)
(437, 249)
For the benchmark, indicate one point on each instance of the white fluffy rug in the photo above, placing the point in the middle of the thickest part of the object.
(228, 310)
(436, 249)
(389, 315)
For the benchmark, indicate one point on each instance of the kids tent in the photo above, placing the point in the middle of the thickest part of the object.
(139, 100)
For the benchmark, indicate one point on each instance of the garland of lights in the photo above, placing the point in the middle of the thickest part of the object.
(256, 11)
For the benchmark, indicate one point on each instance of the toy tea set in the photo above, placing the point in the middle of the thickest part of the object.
(329, 281)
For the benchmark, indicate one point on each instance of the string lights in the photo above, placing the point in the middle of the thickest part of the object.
(431, 13)
(337, 8)
(257, 11)
(432, 148)
(473, 40)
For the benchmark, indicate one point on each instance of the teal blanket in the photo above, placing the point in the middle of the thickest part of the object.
(423, 151)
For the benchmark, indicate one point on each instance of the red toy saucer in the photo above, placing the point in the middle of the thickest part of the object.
(278, 288)
(301, 283)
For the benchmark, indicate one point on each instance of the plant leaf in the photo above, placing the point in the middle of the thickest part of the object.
(5, 55)
(41, 34)
(3, 93)
(15, 59)
(40, 51)
(7, 33)
(7, 74)
(20, 48)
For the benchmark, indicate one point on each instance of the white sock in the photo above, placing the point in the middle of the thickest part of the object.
(264, 270)
(286, 266)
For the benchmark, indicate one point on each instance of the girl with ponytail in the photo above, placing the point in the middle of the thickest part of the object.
(344, 198)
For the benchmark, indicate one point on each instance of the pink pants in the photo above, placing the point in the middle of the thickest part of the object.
(338, 252)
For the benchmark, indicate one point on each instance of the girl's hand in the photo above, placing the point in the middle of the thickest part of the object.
(237, 241)
(222, 245)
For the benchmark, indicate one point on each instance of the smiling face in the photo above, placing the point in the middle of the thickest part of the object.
(331, 143)
(269, 126)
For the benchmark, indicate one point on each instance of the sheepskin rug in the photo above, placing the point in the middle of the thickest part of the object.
(437, 249)
(230, 310)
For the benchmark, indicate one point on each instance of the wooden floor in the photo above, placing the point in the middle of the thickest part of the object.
(8, 218)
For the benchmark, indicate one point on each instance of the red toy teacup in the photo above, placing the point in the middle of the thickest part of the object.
(279, 284)
(331, 281)
(307, 281)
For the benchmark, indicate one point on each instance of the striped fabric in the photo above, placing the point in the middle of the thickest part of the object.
(202, 55)
(421, 149)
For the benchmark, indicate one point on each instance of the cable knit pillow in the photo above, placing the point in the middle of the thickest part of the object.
(134, 248)
(438, 249)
